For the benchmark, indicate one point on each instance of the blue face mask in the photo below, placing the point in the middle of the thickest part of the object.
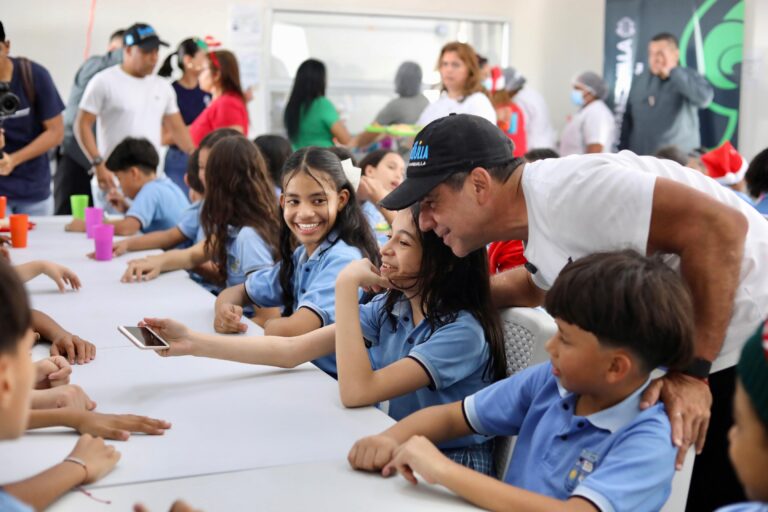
(488, 84)
(577, 98)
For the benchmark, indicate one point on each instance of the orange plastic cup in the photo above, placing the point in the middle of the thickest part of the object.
(19, 230)
(3, 204)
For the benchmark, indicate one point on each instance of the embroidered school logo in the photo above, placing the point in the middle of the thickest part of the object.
(419, 154)
(583, 467)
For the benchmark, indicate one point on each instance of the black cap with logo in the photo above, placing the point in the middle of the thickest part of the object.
(142, 35)
(451, 144)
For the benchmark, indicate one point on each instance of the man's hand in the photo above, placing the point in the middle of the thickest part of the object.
(105, 178)
(688, 402)
(7, 164)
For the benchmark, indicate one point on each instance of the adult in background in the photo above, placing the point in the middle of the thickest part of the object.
(591, 129)
(128, 101)
(757, 181)
(310, 118)
(462, 91)
(73, 169)
(36, 127)
(191, 99)
(539, 131)
(663, 102)
(473, 191)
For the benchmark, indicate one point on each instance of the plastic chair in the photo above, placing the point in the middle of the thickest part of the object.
(526, 330)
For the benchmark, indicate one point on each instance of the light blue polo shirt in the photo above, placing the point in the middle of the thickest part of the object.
(620, 458)
(314, 284)
(752, 506)
(9, 503)
(158, 205)
(190, 225)
(246, 252)
(454, 356)
(378, 223)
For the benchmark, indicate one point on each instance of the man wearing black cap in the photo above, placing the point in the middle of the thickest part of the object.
(473, 191)
(128, 101)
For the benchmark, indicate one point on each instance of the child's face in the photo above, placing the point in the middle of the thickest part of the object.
(401, 255)
(202, 159)
(578, 359)
(749, 447)
(310, 207)
(390, 171)
(16, 378)
(130, 181)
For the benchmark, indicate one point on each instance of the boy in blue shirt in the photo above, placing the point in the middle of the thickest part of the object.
(583, 443)
(157, 203)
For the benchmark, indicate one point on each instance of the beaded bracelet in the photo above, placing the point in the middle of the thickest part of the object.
(79, 462)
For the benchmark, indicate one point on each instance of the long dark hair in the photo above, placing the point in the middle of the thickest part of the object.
(225, 63)
(239, 193)
(448, 285)
(374, 158)
(275, 149)
(187, 47)
(309, 84)
(15, 315)
(351, 225)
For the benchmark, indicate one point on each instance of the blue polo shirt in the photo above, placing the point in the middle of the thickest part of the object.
(454, 356)
(246, 252)
(620, 458)
(314, 284)
(158, 205)
(189, 225)
(378, 223)
(752, 506)
(10, 503)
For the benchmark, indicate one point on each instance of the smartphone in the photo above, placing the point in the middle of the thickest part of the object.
(143, 337)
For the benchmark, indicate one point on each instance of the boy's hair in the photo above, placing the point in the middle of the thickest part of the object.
(351, 225)
(757, 174)
(540, 154)
(672, 152)
(448, 285)
(15, 316)
(240, 193)
(275, 149)
(628, 301)
(193, 173)
(133, 152)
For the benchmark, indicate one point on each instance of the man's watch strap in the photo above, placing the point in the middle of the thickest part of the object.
(698, 368)
(98, 160)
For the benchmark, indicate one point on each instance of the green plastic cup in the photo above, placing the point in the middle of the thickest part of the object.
(79, 203)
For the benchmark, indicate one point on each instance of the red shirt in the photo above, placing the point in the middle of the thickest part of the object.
(514, 126)
(226, 110)
(505, 255)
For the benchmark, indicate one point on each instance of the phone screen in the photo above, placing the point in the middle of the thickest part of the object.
(145, 336)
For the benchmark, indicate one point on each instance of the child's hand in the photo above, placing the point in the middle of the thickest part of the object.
(175, 333)
(371, 190)
(99, 458)
(418, 455)
(68, 395)
(61, 275)
(51, 372)
(76, 226)
(76, 349)
(144, 269)
(117, 200)
(372, 453)
(119, 248)
(177, 506)
(227, 319)
(364, 274)
(117, 426)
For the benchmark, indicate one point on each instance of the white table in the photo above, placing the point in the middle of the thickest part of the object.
(286, 427)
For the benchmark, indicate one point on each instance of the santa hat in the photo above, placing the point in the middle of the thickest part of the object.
(725, 164)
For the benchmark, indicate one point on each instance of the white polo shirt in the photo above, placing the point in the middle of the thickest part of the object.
(476, 103)
(592, 124)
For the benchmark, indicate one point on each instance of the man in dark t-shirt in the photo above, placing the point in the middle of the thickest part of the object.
(37, 126)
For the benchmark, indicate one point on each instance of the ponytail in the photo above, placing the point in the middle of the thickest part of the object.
(166, 70)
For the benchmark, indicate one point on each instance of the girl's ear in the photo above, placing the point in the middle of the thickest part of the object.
(368, 168)
(282, 201)
(343, 198)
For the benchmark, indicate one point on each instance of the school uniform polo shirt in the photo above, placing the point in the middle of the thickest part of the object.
(189, 225)
(620, 458)
(158, 205)
(246, 252)
(314, 284)
(454, 356)
(9, 503)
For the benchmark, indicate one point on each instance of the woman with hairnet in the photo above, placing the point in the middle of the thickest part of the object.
(406, 108)
(591, 129)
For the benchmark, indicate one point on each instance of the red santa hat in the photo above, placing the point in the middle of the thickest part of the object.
(725, 164)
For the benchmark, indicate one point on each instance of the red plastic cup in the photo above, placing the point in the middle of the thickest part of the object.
(102, 238)
(3, 204)
(93, 218)
(19, 229)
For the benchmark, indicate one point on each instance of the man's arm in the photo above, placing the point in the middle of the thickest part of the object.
(179, 132)
(84, 136)
(515, 287)
(692, 85)
(50, 137)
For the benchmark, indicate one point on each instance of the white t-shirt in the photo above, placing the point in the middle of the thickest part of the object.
(127, 106)
(583, 204)
(538, 128)
(592, 124)
(476, 103)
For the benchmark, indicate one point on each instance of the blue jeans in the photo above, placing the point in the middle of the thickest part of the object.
(32, 208)
(176, 167)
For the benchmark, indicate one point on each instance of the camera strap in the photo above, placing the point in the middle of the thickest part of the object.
(25, 66)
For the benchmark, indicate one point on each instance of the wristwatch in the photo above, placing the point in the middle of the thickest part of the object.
(698, 368)
(98, 160)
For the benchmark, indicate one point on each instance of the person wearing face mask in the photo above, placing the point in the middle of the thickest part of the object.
(591, 129)
(664, 101)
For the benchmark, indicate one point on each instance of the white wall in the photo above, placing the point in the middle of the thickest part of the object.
(551, 40)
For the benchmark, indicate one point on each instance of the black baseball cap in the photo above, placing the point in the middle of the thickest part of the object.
(142, 35)
(451, 144)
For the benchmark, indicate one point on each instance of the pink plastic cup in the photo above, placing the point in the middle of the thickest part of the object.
(93, 217)
(102, 238)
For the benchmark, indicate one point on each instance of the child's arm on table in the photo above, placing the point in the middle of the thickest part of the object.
(301, 321)
(51, 372)
(359, 384)
(156, 240)
(62, 341)
(60, 274)
(229, 310)
(68, 395)
(150, 267)
(123, 227)
(108, 426)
